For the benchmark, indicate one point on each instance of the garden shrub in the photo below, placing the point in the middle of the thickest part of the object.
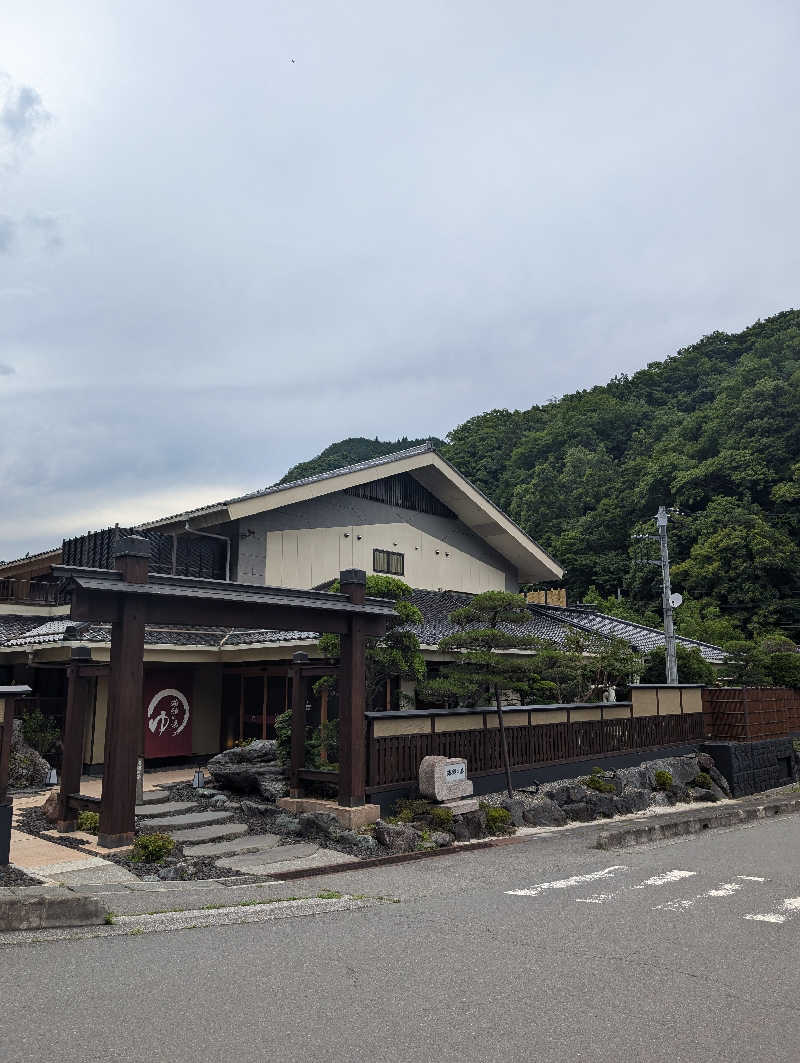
(151, 848)
(40, 732)
(498, 821)
(408, 809)
(703, 780)
(89, 822)
(442, 817)
(663, 780)
(595, 781)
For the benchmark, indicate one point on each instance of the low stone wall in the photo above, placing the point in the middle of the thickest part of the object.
(752, 767)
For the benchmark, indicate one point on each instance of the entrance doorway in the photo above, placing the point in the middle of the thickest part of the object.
(251, 701)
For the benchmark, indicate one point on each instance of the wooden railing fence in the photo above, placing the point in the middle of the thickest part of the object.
(394, 759)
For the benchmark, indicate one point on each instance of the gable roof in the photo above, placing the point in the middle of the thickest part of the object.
(429, 468)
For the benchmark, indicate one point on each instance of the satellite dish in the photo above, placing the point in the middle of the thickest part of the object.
(675, 600)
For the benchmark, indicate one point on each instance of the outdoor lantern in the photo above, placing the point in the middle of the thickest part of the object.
(52, 778)
(198, 782)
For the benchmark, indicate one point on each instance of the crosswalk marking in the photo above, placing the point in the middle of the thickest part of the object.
(565, 883)
(665, 878)
(789, 908)
(738, 884)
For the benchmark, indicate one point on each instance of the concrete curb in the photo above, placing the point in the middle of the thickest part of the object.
(695, 822)
(45, 907)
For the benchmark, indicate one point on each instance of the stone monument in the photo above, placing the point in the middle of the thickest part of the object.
(444, 779)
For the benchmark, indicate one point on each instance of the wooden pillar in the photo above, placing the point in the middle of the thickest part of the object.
(124, 720)
(323, 719)
(264, 707)
(78, 698)
(352, 696)
(298, 760)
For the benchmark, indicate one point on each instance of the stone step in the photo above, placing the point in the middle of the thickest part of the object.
(153, 797)
(248, 843)
(160, 809)
(210, 833)
(284, 858)
(188, 819)
(275, 855)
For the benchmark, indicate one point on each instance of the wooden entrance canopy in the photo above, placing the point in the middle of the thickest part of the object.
(129, 597)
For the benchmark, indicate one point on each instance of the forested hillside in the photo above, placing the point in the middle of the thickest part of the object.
(714, 431)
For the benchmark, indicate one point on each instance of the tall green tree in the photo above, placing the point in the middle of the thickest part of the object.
(397, 655)
(483, 661)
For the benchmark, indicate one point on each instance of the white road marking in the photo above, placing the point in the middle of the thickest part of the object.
(751, 878)
(664, 879)
(566, 883)
(657, 880)
(790, 907)
(725, 889)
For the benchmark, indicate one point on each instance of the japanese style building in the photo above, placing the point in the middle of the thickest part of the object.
(408, 514)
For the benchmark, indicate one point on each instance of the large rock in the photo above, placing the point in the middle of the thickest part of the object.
(515, 808)
(396, 837)
(460, 829)
(544, 813)
(251, 769)
(632, 800)
(314, 824)
(26, 768)
(475, 822)
(601, 804)
(581, 811)
(52, 806)
(719, 779)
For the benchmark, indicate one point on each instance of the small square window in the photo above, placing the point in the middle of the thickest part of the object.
(388, 561)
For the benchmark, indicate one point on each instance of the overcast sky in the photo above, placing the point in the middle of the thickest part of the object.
(232, 233)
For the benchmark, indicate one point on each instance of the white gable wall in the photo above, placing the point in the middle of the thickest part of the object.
(310, 542)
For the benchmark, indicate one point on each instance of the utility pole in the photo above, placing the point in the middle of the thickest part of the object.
(669, 630)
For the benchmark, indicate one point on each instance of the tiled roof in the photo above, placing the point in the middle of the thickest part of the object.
(638, 635)
(546, 622)
(549, 623)
(13, 625)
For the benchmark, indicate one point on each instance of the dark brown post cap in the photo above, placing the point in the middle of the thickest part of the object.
(131, 546)
(353, 575)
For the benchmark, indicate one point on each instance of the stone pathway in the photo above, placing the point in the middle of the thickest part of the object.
(203, 831)
(210, 833)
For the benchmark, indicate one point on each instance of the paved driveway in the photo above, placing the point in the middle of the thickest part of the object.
(540, 952)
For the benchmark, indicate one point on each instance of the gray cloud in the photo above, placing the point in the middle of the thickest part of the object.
(22, 112)
(8, 232)
(6, 370)
(47, 229)
(419, 220)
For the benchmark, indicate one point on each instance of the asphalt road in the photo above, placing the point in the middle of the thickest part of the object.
(539, 952)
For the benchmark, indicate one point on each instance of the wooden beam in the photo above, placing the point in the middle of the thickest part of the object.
(105, 607)
(124, 719)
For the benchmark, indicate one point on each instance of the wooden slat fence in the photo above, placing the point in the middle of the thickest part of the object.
(742, 714)
(394, 759)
